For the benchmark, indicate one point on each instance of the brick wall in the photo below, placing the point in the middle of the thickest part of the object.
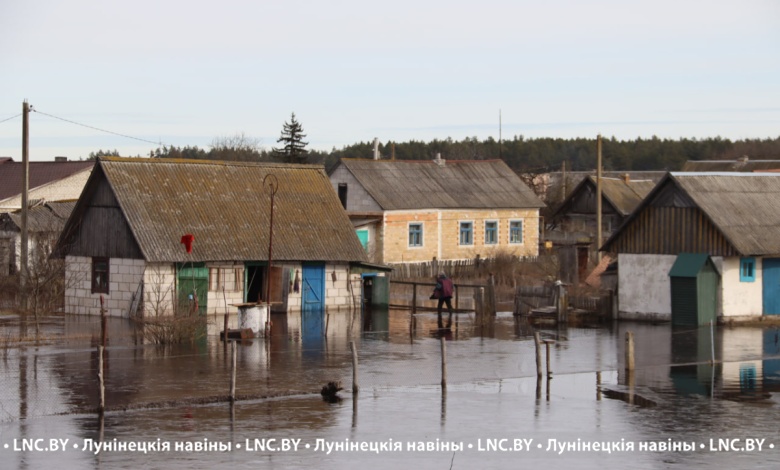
(124, 277)
(441, 234)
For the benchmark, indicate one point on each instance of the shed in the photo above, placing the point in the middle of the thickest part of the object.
(694, 281)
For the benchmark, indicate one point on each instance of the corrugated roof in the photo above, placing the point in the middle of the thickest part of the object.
(744, 206)
(40, 173)
(48, 217)
(624, 196)
(731, 165)
(224, 205)
(408, 185)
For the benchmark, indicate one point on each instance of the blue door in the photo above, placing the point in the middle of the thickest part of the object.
(771, 282)
(313, 299)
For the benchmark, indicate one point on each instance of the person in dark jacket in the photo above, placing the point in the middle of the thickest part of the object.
(443, 292)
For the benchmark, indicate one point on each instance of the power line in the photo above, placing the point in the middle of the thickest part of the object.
(12, 117)
(97, 128)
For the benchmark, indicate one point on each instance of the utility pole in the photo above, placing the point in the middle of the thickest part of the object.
(23, 275)
(598, 198)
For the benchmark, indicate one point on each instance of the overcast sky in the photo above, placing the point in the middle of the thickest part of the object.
(185, 72)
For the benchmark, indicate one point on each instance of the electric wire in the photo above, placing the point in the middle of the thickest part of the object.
(12, 117)
(97, 128)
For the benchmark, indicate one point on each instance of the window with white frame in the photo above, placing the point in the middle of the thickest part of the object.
(415, 234)
(516, 232)
(491, 232)
(467, 233)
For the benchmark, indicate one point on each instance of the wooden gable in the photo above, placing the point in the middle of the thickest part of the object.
(668, 223)
(98, 226)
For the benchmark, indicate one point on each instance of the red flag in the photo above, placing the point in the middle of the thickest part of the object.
(187, 240)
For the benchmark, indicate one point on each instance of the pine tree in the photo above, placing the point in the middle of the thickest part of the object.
(294, 148)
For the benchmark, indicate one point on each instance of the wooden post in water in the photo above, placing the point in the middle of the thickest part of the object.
(414, 298)
(355, 387)
(101, 382)
(537, 342)
(629, 351)
(225, 329)
(547, 343)
(443, 363)
(233, 372)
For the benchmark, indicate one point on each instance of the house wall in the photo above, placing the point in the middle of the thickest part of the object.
(374, 243)
(741, 298)
(441, 234)
(337, 292)
(644, 291)
(226, 287)
(124, 277)
(358, 199)
(159, 289)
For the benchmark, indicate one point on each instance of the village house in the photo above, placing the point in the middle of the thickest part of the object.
(44, 224)
(60, 180)
(699, 240)
(413, 211)
(153, 235)
(572, 229)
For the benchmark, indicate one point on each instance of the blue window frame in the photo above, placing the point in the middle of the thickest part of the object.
(467, 233)
(415, 235)
(516, 232)
(747, 269)
(491, 232)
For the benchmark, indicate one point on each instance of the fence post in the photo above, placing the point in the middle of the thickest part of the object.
(355, 387)
(233, 372)
(414, 298)
(537, 343)
(443, 363)
(101, 382)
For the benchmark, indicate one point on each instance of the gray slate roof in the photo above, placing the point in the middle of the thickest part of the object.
(409, 185)
(744, 206)
(742, 164)
(224, 205)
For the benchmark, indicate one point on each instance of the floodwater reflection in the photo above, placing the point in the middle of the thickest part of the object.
(177, 393)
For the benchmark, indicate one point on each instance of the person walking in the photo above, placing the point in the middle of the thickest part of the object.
(443, 292)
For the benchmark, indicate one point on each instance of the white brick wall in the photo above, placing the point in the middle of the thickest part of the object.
(124, 278)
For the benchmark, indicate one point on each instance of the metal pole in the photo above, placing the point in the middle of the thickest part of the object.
(598, 199)
(24, 274)
(272, 185)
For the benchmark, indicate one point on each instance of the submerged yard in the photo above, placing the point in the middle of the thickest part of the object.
(494, 413)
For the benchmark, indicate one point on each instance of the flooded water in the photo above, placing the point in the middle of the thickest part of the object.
(494, 412)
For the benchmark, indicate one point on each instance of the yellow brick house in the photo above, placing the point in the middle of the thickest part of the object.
(410, 211)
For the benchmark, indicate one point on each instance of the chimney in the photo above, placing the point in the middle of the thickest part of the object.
(626, 178)
(60, 159)
(376, 148)
(438, 160)
(743, 159)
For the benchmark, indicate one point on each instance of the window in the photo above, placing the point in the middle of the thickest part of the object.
(100, 268)
(491, 233)
(747, 269)
(466, 233)
(363, 237)
(415, 234)
(516, 231)
(343, 194)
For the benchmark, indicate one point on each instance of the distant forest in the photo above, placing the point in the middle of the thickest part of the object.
(537, 155)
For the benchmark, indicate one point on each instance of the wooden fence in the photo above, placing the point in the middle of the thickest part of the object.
(458, 268)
